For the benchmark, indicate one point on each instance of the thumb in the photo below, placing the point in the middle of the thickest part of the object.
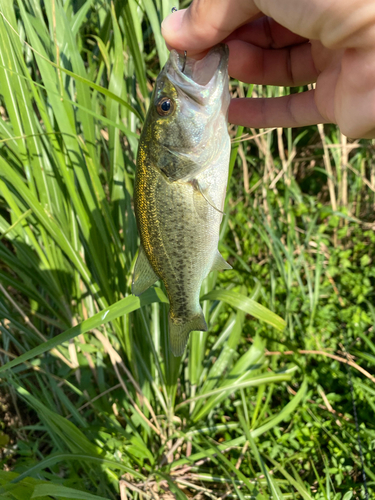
(206, 23)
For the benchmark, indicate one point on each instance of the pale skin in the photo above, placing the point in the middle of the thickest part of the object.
(290, 43)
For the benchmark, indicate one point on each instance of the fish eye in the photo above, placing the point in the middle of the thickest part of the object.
(165, 106)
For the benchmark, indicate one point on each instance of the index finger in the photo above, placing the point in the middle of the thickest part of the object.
(206, 23)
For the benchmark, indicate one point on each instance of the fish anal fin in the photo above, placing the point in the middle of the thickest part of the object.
(179, 331)
(206, 196)
(144, 276)
(220, 264)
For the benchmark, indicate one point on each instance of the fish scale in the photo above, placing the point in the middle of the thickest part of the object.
(180, 185)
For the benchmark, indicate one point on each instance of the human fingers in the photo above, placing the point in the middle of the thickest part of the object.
(338, 24)
(288, 67)
(265, 32)
(296, 110)
(354, 103)
(206, 23)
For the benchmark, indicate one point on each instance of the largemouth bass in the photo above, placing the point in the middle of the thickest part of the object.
(180, 185)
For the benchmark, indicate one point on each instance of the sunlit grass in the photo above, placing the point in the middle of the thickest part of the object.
(102, 407)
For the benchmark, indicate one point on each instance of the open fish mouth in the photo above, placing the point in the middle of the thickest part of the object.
(198, 73)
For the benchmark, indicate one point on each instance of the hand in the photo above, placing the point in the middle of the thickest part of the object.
(290, 43)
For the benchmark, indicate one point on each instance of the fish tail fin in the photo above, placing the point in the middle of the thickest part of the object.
(179, 331)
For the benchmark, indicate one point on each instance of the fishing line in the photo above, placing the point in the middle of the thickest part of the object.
(349, 371)
(174, 9)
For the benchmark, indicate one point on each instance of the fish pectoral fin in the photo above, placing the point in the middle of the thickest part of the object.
(179, 331)
(206, 196)
(220, 263)
(144, 276)
(180, 166)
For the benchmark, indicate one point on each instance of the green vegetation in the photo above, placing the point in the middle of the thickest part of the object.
(92, 403)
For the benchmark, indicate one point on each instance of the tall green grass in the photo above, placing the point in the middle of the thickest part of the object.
(103, 407)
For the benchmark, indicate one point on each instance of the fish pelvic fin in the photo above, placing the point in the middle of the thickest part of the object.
(220, 263)
(144, 276)
(179, 331)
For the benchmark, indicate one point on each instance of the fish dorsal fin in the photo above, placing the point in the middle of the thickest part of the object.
(144, 276)
(220, 263)
(205, 195)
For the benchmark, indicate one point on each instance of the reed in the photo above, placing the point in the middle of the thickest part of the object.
(101, 407)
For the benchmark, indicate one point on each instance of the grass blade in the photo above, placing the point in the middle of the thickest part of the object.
(247, 305)
(120, 308)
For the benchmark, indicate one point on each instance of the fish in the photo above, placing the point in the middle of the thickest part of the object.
(180, 185)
